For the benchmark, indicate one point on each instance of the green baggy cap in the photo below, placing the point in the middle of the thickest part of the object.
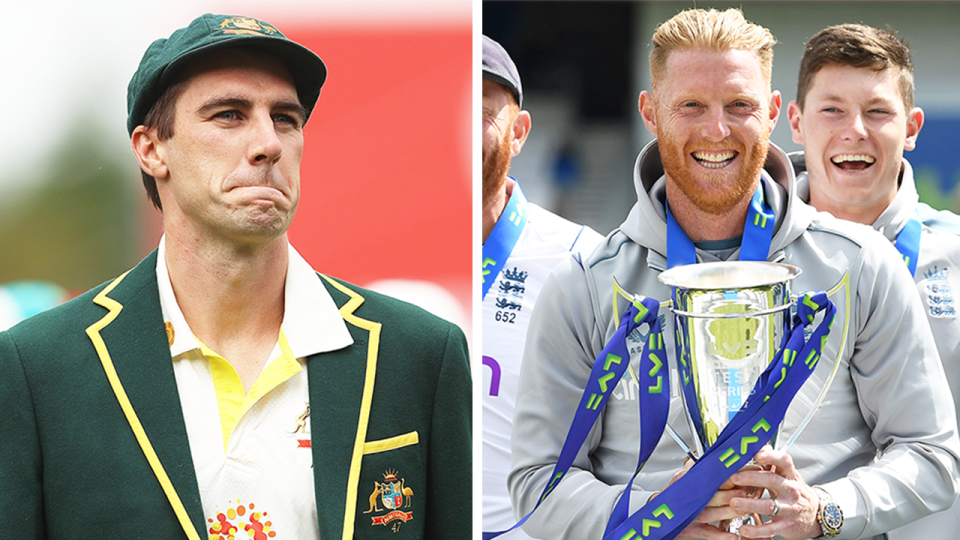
(165, 58)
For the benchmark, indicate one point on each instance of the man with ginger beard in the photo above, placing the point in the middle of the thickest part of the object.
(522, 244)
(855, 117)
(712, 188)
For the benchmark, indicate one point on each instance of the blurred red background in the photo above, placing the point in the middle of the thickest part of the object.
(386, 186)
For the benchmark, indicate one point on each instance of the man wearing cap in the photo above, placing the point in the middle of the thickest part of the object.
(522, 244)
(175, 400)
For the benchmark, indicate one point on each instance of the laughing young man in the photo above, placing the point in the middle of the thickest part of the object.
(855, 116)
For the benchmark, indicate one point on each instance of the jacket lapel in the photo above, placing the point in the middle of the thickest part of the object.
(341, 390)
(132, 346)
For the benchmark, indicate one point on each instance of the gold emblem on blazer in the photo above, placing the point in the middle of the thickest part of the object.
(389, 498)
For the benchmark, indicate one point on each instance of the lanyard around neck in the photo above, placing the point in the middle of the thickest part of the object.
(908, 244)
(503, 238)
(754, 244)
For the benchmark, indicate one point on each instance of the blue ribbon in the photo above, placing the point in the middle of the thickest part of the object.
(503, 238)
(608, 369)
(664, 517)
(754, 244)
(908, 244)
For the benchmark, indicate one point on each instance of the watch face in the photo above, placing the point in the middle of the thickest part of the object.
(832, 516)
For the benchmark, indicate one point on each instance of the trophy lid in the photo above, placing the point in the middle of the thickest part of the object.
(728, 275)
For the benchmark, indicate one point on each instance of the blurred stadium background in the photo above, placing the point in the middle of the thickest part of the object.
(386, 175)
(584, 63)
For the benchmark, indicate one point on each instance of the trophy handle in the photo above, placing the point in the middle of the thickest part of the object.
(844, 284)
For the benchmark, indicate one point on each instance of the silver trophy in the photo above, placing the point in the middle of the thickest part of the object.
(730, 320)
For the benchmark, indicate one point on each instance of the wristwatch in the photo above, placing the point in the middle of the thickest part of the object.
(829, 515)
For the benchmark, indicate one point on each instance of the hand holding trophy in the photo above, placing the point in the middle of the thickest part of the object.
(792, 505)
(741, 361)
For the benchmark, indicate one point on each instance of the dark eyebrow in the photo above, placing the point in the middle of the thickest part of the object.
(219, 101)
(293, 107)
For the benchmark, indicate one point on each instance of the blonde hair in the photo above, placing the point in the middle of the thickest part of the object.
(710, 29)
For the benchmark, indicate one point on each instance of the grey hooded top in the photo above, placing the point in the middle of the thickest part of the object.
(883, 444)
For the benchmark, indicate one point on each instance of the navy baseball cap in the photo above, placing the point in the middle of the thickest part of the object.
(166, 58)
(498, 67)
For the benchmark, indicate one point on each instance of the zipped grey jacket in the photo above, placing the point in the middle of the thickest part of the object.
(883, 443)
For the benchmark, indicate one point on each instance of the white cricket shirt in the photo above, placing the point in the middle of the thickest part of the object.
(546, 240)
(252, 451)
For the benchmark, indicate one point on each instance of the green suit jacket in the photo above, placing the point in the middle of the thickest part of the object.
(93, 443)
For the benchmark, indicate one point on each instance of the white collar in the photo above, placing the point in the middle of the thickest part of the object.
(311, 321)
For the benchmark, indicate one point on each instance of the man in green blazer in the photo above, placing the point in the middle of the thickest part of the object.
(222, 388)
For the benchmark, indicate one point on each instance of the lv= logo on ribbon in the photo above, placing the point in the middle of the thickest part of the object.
(608, 368)
(752, 427)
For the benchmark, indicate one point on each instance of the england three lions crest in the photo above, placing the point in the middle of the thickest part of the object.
(389, 498)
(940, 303)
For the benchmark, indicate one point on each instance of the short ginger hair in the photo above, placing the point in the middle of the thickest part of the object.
(710, 29)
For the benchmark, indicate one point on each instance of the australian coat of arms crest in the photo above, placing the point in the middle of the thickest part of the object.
(388, 499)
